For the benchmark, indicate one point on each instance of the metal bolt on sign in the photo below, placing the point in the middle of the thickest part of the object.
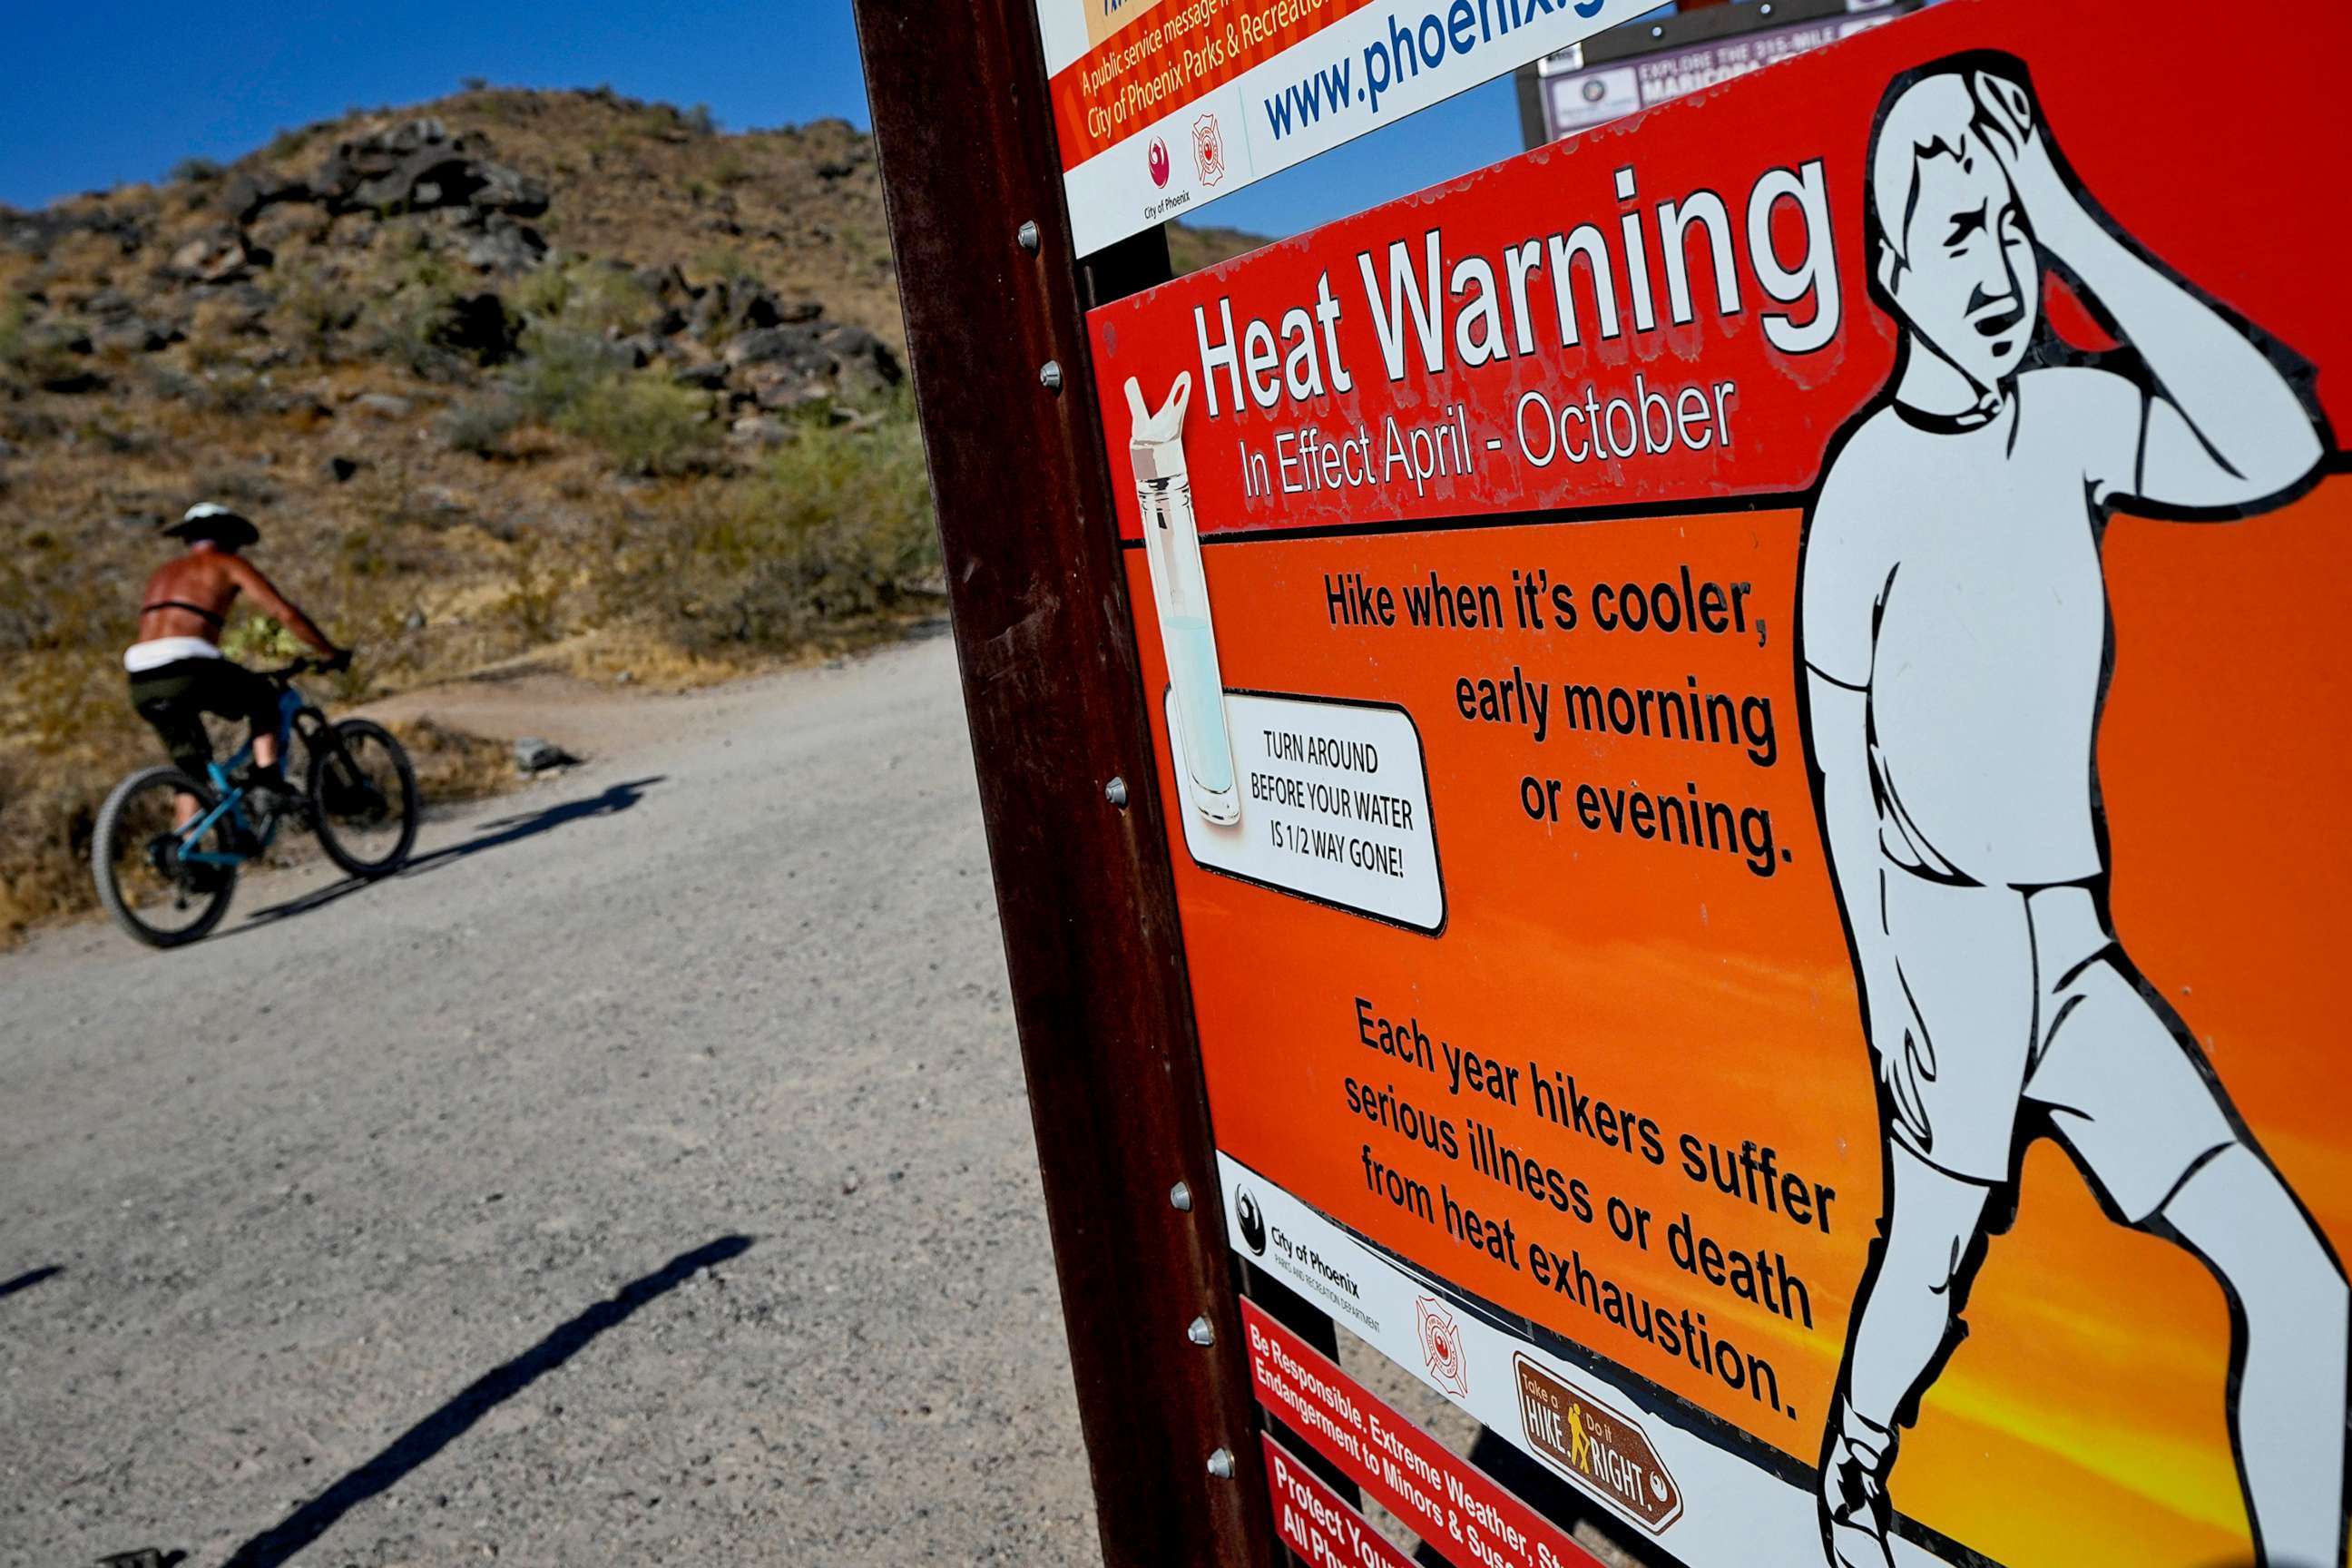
(1201, 1332)
(1050, 375)
(1115, 792)
(1221, 1464)
(1028, 237)
(1179, 1197)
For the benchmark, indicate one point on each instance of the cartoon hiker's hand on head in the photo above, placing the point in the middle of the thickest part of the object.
(2008, 121)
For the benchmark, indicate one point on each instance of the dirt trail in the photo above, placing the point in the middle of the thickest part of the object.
(644, 1177)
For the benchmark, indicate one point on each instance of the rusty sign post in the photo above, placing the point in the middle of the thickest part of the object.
(996, 329)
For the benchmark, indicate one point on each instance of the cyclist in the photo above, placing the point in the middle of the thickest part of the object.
(177, 671)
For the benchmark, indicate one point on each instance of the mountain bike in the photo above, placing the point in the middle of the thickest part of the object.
(167, 880)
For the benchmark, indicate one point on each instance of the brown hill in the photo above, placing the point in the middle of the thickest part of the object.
(560, 376)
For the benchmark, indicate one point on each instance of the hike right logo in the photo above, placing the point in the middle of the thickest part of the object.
(1603, 1450)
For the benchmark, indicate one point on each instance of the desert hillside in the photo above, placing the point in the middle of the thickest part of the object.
(515, 378)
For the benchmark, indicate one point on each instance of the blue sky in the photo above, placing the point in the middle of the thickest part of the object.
(106, 93)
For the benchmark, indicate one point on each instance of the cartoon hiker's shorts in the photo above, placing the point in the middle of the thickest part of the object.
(2015, 998)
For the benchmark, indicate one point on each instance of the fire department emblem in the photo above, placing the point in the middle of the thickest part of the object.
(1440, 1348)
(1208, 149)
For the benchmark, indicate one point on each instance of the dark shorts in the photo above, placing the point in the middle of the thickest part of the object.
(174, 697)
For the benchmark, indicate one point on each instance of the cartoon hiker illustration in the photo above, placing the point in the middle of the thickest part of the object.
(1954, 630)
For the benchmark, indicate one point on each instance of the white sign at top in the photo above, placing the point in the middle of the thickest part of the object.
(1163, 106)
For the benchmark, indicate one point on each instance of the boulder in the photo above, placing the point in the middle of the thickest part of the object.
(136, 334)
(862, 363)
(219, 255)
(758, 430)
(382, 405)
(707, 376)
(778, 387)
(533, 755)
(795, 347)
(505, 245)
(246, 194)
(418, 165)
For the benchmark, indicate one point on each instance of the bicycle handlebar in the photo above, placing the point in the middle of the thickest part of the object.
(308, 664)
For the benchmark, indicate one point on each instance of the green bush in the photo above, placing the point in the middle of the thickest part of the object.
(314, 308)
(558, 369)
(480, 427)
(835, 528)
(586, 297)
(259, 639)
(644, 423)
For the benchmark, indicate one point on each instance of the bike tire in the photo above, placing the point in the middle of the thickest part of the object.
(352, 738)
(116, 818)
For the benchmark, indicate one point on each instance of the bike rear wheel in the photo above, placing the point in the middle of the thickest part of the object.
(365, 792)
(134, 855)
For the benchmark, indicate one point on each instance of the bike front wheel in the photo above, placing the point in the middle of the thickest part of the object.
(364, 793)
(136, 854)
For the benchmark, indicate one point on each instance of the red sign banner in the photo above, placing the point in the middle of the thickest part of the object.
(1448, 1501)
(1314, 1521)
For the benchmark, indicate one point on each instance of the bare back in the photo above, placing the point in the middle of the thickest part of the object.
(188, 596)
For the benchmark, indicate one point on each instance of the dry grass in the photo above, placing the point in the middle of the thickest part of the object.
(453, 765)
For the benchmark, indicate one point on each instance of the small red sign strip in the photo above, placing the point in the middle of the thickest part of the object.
(1315, 1523)
(1459, 1509)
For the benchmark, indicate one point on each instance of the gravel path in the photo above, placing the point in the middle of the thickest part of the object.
(644, 1177)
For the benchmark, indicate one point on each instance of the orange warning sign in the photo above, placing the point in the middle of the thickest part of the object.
(1752, 735)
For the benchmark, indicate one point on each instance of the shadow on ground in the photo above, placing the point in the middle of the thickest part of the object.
(443, 1427)
(494, 834)
(30, 1277)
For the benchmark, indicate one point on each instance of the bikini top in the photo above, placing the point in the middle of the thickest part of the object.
(184, 605)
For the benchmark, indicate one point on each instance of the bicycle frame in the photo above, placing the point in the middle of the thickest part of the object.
(291, 708)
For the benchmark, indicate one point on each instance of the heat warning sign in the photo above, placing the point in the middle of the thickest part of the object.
(1720, 816)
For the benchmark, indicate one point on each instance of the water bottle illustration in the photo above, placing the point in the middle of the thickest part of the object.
(1180, 592)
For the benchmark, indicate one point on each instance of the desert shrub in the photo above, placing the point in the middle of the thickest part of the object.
(722, 261)
(558, 369)
(314, 308)
(259, 639)
(63, 698)
(47, 817)
(452, 765)
(605, 299)
(433, 321)
(583, 386)
(542, 293)
(197, 171)
(644, 423)
(836, 529)
(729, 171)
(533, 605)
(481, 426)
(39, 350)
(585, 297)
